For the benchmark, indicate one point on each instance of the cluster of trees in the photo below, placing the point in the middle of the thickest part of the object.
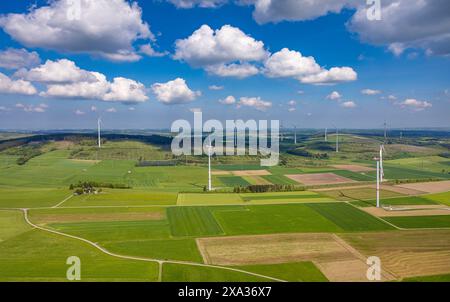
(267, 188)
(305, 153)
(445, 154)
(410, 181)
(25, 152)
(93, 184)
(156, 163)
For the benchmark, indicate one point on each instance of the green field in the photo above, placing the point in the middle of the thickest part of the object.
(123, 197)
(234, 181)
(163, 249)
(349, 218)
(165, 211)
(208, 199)
(420, 222)
(112, 231)
(294, 272)
(436, 278)
(237, 167)
(397, 172)
(12, 225)
(354, 175)
(435, 164)
(250, 198)
(443, 198)
(121, 150)
(284, 197)
(31, 197)
(26, 256)
(190, 273)
(192, 221)
(296, 218)
(359, 194)
(280, 180)
(396, 201)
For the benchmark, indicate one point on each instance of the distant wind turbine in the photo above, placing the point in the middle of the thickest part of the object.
(378, 184)
(295, 135)
(99, 122)
(337, 139)
(209, 147)
(382, 150)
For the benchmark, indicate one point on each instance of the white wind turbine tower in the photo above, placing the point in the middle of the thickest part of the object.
(378, 182)
(337, 139)
(99, 122)
(209, 147)
(295, 135)
(382, 150)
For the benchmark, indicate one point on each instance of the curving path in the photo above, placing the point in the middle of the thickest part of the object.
(160, 262)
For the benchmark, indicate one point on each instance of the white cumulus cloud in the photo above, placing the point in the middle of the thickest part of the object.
(371, 91)
(229, 100)
(334, 96)
(216, 87)
(333, 76)
(10, 86)
(289, 63)
(294, 10)
(407, 24)
(239, 71)
(254, 102)
(174, 92)
(12, 58)
(349, 104)
(149, 51)
(199, 3)
(60, 71)
(225, 51)
(106, 28)
(66, 80)
(41, 108)
(416, 105)
(126, 90)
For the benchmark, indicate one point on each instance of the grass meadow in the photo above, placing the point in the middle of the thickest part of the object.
(398, 201)
(26, 256)
(420, 222)
(293, 272)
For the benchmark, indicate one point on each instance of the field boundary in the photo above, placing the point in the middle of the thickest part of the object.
(160, 262)
(66, 199)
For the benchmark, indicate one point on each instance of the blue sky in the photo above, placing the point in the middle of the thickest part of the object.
(401, 77)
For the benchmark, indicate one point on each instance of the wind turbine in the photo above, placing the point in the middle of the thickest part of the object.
(209, 147)
(281, 131)
(99, 122)
(378, 182)
(337, 139)
(295, 135)
(382, 150)
(326, 134)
